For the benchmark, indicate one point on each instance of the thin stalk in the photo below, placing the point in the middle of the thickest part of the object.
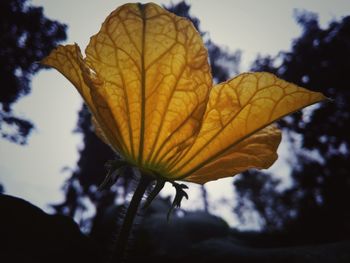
(125, 230)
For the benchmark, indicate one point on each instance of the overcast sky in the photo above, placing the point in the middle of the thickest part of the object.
(34, 172)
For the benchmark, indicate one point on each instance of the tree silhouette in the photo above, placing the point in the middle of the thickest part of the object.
(316, 207)
(26, 36)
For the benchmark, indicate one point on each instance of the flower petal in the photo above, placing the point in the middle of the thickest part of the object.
(156, 79)
(65, 60)
(68, 61)
(236, 110)
(257, 151)
(99, 131)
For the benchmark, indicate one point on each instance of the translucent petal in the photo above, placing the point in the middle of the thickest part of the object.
(68, 61)
(236, 110)
(257, 151)
(147, 82)
(65, 60)
(155, 78)
(99, 131)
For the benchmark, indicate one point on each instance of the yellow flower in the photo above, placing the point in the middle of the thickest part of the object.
(147, 82)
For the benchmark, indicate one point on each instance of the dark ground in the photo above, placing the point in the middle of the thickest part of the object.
(30, 235)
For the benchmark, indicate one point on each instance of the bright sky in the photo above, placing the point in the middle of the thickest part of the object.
(34, 172)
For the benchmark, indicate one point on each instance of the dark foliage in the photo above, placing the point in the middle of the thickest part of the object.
(270, 210)
(316, 207)
(26, 36)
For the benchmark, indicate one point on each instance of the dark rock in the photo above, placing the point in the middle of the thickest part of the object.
(30, 235)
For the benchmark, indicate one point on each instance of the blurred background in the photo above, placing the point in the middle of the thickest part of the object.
(50, 156)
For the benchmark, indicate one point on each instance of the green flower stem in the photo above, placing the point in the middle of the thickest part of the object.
(125, 230)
